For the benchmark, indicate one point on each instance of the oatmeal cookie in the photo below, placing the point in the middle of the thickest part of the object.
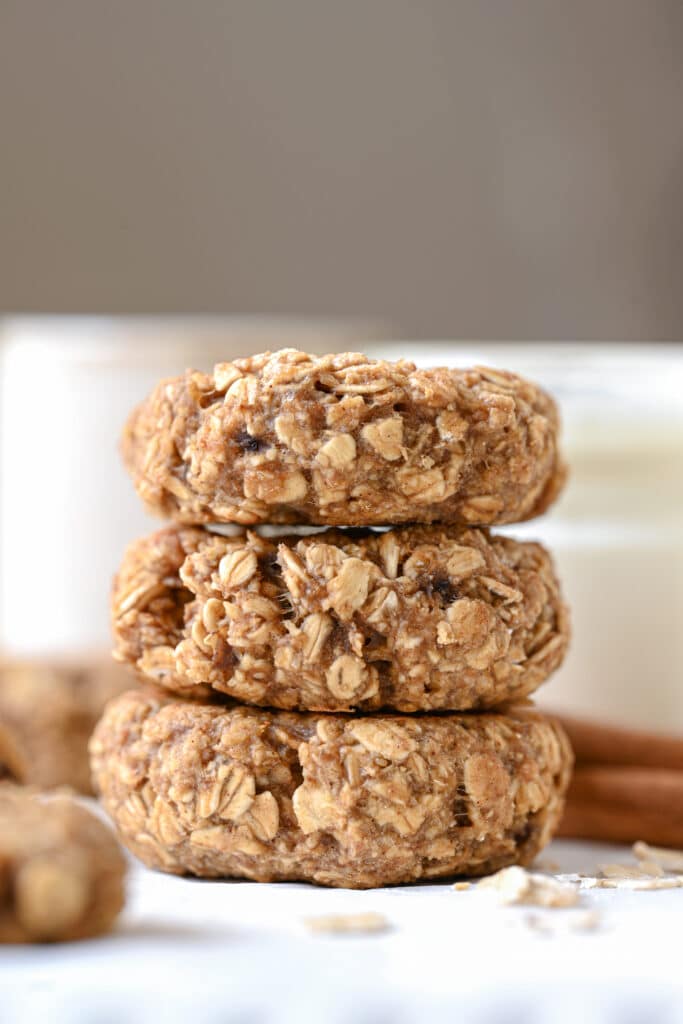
(61, 869)
(50, 707)
(354, 801)
(415, 618)
(13, 767)
(343, 440)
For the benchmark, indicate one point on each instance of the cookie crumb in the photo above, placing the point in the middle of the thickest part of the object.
(462, 886)
(514, 885)
(645, 869)
(347, 924)
(642, 884)
(669, 860)
(560, 924)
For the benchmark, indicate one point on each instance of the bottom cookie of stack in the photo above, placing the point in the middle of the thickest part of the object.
(354, 801)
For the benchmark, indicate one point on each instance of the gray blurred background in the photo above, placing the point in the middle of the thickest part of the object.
(481, 168)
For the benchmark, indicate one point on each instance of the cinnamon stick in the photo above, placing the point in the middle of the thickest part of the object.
(596, 743)
(624, 804)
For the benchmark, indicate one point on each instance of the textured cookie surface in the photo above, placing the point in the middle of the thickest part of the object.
(61, 869)
(49, 708)
(415, 618)
(344, 440)
(337, 800)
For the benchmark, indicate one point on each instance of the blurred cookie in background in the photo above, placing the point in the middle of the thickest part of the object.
(48, 709)
(12, 764)
(62, 874)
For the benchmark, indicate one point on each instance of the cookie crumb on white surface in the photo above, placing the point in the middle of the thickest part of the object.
(347, 924)
(642, 884)
(670, 860)
(645, 869)
(516, 885)
(574, 920)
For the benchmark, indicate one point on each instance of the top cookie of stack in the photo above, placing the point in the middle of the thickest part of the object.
(343, 440)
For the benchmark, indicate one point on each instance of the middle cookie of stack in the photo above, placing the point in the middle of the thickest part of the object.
(416, 618)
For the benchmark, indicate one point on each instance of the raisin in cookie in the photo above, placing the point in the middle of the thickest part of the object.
(415, 618)
(355, 801)
(61, 869)
(343, 440)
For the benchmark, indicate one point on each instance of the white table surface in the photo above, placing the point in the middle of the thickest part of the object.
(228, 952)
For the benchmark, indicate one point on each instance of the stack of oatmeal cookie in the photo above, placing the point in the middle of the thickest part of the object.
(321, 700)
